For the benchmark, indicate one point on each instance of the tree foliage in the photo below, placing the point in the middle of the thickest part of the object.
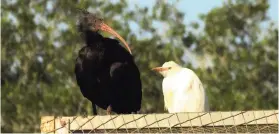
(237, 58)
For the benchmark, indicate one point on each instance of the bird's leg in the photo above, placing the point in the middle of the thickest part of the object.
(136, 112)
(84, 115)
(109, 110)
(62, 122)
(94, 109)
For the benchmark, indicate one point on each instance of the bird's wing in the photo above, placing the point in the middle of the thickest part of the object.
(175, 90)
(85, 82)
(189, 92)
(185, 78)
(184, 92)
(196, 87)
(125, 87)
(200, 96)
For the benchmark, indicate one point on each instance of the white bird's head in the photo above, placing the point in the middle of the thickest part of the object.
(168, 68)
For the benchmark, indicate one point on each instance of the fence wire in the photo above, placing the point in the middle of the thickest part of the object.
(265, 121)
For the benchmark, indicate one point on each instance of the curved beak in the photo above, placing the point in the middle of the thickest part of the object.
(160, 69)
(106, 28)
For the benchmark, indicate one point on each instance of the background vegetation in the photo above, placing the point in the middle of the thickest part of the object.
(235, 58)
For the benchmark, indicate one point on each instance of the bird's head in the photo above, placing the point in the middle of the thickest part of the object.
(168, 68)
(89, 21)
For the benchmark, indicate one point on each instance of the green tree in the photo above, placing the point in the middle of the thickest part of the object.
(244, 56)
(40, 43)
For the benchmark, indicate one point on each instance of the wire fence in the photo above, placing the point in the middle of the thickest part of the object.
(264, 121)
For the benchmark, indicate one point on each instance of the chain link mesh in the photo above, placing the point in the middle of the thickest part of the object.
(265, 121)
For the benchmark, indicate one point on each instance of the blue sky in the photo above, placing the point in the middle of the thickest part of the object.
(193, 8)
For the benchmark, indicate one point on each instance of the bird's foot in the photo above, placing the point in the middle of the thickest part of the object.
(84, 115)
(62, 122)
(109, 110)
(136, 112)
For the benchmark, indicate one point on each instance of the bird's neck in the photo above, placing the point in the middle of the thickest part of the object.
(93, 38)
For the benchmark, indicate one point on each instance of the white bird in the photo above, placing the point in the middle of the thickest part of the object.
(182, 89)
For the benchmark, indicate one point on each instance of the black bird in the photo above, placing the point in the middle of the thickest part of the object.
(105, 71)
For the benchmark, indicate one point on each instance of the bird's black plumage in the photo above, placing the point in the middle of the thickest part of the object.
(105, 71)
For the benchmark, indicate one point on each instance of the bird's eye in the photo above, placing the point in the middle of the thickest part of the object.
(169, 67)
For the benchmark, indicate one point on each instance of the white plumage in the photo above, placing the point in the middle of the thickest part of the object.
(182, 89)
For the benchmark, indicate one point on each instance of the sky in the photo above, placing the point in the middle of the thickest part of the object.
(193, 8)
